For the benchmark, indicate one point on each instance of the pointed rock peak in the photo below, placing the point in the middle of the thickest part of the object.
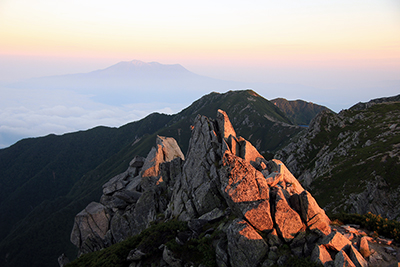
(170, 148)
(224, 124)
(167, 149)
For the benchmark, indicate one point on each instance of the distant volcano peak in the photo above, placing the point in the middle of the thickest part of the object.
(137, 65)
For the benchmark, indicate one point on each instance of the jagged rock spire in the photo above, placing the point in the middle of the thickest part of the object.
(223, 175)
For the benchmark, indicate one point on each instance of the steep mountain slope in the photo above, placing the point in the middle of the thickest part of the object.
(221, 205)
(221, 176)
(36, 175)
(351, 161)
(298, 111)
(50, 179)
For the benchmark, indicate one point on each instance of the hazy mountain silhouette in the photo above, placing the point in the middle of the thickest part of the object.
(135, 81)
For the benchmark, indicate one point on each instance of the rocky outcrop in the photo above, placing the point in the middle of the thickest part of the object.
(90, 228)
(130, 200)
(257, 205)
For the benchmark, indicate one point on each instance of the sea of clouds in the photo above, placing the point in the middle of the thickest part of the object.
(39, 112)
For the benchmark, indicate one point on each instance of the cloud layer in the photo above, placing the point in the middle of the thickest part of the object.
(32, 113)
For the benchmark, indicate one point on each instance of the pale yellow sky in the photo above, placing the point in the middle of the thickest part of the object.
(172, 31)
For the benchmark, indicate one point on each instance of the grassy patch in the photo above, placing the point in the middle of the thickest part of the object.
(147, 241)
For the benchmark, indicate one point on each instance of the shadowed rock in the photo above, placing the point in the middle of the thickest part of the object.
(245, 246)
(356, 257)
(314, 217)
(92, 222)
(342, 260)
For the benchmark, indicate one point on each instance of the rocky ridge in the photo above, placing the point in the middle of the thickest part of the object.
(298, 111)
(357, 152)
(258, 205)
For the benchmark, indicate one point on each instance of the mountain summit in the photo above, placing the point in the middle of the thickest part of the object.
(136, 66)
(130, 82)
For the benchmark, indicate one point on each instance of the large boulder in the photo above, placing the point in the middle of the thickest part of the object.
(335, 241)
(356, 257)
(343, 260)
(314, 217)
(245, 246)
(288, 221)
(92, 222)
(246, 191)
(364, 247)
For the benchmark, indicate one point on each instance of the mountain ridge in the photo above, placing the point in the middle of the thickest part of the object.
(357, 153)
(299, 111)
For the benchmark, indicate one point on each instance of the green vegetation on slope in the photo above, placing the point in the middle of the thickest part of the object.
(298, 111)
(369, 157)
(353, 152)
(36, 176)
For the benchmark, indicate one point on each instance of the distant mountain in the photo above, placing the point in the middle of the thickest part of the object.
(298, 111)
(135, 81)
(361, 105)
(351, 161)
(131, 82)
(45, 181)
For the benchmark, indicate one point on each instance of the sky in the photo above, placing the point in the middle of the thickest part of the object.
(349, 51)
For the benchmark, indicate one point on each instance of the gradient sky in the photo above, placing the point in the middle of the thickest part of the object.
(339, 47)
(230, 35)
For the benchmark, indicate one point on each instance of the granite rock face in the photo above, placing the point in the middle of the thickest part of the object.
(223, 178)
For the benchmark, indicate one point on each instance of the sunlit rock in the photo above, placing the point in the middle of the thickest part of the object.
(288, 221)
(321, 255)
(224, 124)
(335, 241)
(364, 247)
(166, 150)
